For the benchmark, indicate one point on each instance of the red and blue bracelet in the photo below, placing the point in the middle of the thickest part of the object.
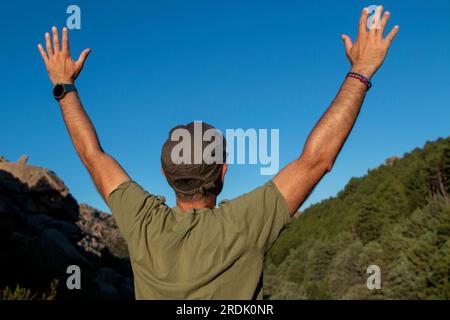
(361, 78)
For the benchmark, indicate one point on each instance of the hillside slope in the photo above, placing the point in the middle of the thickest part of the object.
(396, 217)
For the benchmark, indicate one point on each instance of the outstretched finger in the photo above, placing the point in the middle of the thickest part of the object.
(56, 45)
(384, 22)
(65, 40)
(363, 22)
(347, 43)
(83, 57)
(375, 23)
(48, 45)
(43, 54)
(390, 37)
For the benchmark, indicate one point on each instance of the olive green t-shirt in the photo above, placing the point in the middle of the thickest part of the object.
(201, 253)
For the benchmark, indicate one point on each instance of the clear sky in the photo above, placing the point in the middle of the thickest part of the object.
(235, 64)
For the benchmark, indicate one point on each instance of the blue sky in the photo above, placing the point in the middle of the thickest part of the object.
(235, 64)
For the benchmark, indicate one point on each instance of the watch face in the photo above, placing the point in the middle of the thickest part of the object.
(58, 91)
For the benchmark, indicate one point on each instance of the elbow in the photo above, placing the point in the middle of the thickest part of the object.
(318, 163)
(90, 156)
(324, 166)
(328, 167)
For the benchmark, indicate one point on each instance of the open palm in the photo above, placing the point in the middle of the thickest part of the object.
(60, 66)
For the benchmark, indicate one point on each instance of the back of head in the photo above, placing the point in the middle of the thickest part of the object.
(192, 158)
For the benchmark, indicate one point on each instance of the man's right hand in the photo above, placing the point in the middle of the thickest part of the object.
(368, 52)
(60, 66)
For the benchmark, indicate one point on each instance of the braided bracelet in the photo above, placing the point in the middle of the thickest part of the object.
(361, 78)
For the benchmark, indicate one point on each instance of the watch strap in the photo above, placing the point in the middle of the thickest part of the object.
(69, 88)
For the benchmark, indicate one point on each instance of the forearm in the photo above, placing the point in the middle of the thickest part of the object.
(104, 170)
(62, 69)
(80, 127)
(330, 133)
(299, 177)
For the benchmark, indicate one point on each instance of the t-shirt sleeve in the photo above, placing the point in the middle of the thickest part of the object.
(262, 214)
(133, 209)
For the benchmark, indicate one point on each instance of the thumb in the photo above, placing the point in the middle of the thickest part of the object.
(83, 57)
(348, 43)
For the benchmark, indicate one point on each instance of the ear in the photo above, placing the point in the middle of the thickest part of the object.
(163, 173)
(224, 171)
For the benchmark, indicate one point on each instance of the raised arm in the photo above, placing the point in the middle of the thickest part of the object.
(325, 141)
(62, 69)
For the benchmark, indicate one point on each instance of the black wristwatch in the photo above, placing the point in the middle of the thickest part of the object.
(60, 90)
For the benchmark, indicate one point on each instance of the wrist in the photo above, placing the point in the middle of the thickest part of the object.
(360, 77)
(365, 71)
(62, 81)
(67, 100)
(60, 90)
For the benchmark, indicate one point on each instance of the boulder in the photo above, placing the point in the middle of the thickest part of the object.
(38, 223)
(107, 275)
(59, 251)
(27, 178)
(6, 205)
(108, 291)
(35, 189)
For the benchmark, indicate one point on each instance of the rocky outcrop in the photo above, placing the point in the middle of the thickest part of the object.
(43, 230)
(391, 160)
(101, 232)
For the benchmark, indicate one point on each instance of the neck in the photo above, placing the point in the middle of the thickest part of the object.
(196, 204)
